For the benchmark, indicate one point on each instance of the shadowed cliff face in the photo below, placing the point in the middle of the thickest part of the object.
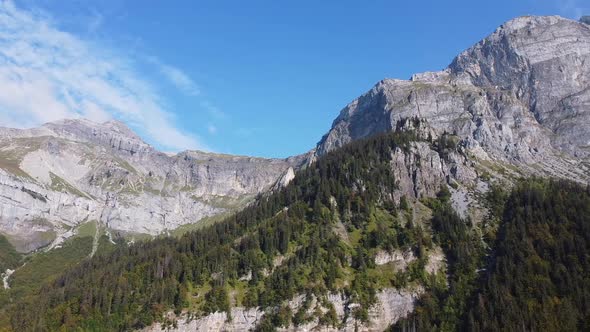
(521, 95)
(66, 173)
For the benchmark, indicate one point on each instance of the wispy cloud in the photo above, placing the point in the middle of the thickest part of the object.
(213, 111)
(216, 115)
(47, 74)
(246, 132)
(95, 21)
(212, 129)
(180, 79)
(177, 77)
(572, 8)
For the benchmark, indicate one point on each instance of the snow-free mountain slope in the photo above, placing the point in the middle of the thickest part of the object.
(62, 174)
(521, 96)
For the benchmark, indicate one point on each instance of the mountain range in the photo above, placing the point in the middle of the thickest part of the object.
(64, 174)
(515, 105)
(518, 101)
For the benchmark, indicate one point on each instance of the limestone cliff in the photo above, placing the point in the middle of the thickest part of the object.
(62, 174)
(520, 97)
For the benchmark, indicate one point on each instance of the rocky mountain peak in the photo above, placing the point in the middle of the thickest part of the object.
(520, 95)
(120, 127)
(545, 63)
(520, 44)
(528, 21)
(112, 134)
(76, 126)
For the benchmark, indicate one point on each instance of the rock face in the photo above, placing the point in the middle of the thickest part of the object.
(520, 97)
(398, 258)
(516, 103)
(391, 306)
(544, 63)
(241, 320)
(65, 173)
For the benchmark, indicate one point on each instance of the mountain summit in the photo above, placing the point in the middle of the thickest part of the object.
(521, 95)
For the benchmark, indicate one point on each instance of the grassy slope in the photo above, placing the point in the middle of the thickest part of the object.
(43, 267)
(9, 257)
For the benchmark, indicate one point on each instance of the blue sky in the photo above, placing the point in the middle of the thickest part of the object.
(263, 78)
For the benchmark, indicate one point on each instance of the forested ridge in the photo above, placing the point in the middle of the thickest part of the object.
(526, 268)
(135, 285)
(538, 278)
(537, 273)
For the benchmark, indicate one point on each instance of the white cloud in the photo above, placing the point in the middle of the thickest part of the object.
(212, 129)
(47, 74)
(95, 21)
(572, 8)
(176, 76)
(213, 110)
(180, 79)
(93, 112)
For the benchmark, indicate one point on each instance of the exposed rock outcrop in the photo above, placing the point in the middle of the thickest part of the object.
(62, 174)
(241, 320)
(398, 258)
(520, 97)
(390, 307)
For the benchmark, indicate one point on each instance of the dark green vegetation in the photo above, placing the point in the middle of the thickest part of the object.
(45, 266)
(537, 277)
(35, 270)
(326, 226)
(525, 267)
(9, 257)
(442, 306)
